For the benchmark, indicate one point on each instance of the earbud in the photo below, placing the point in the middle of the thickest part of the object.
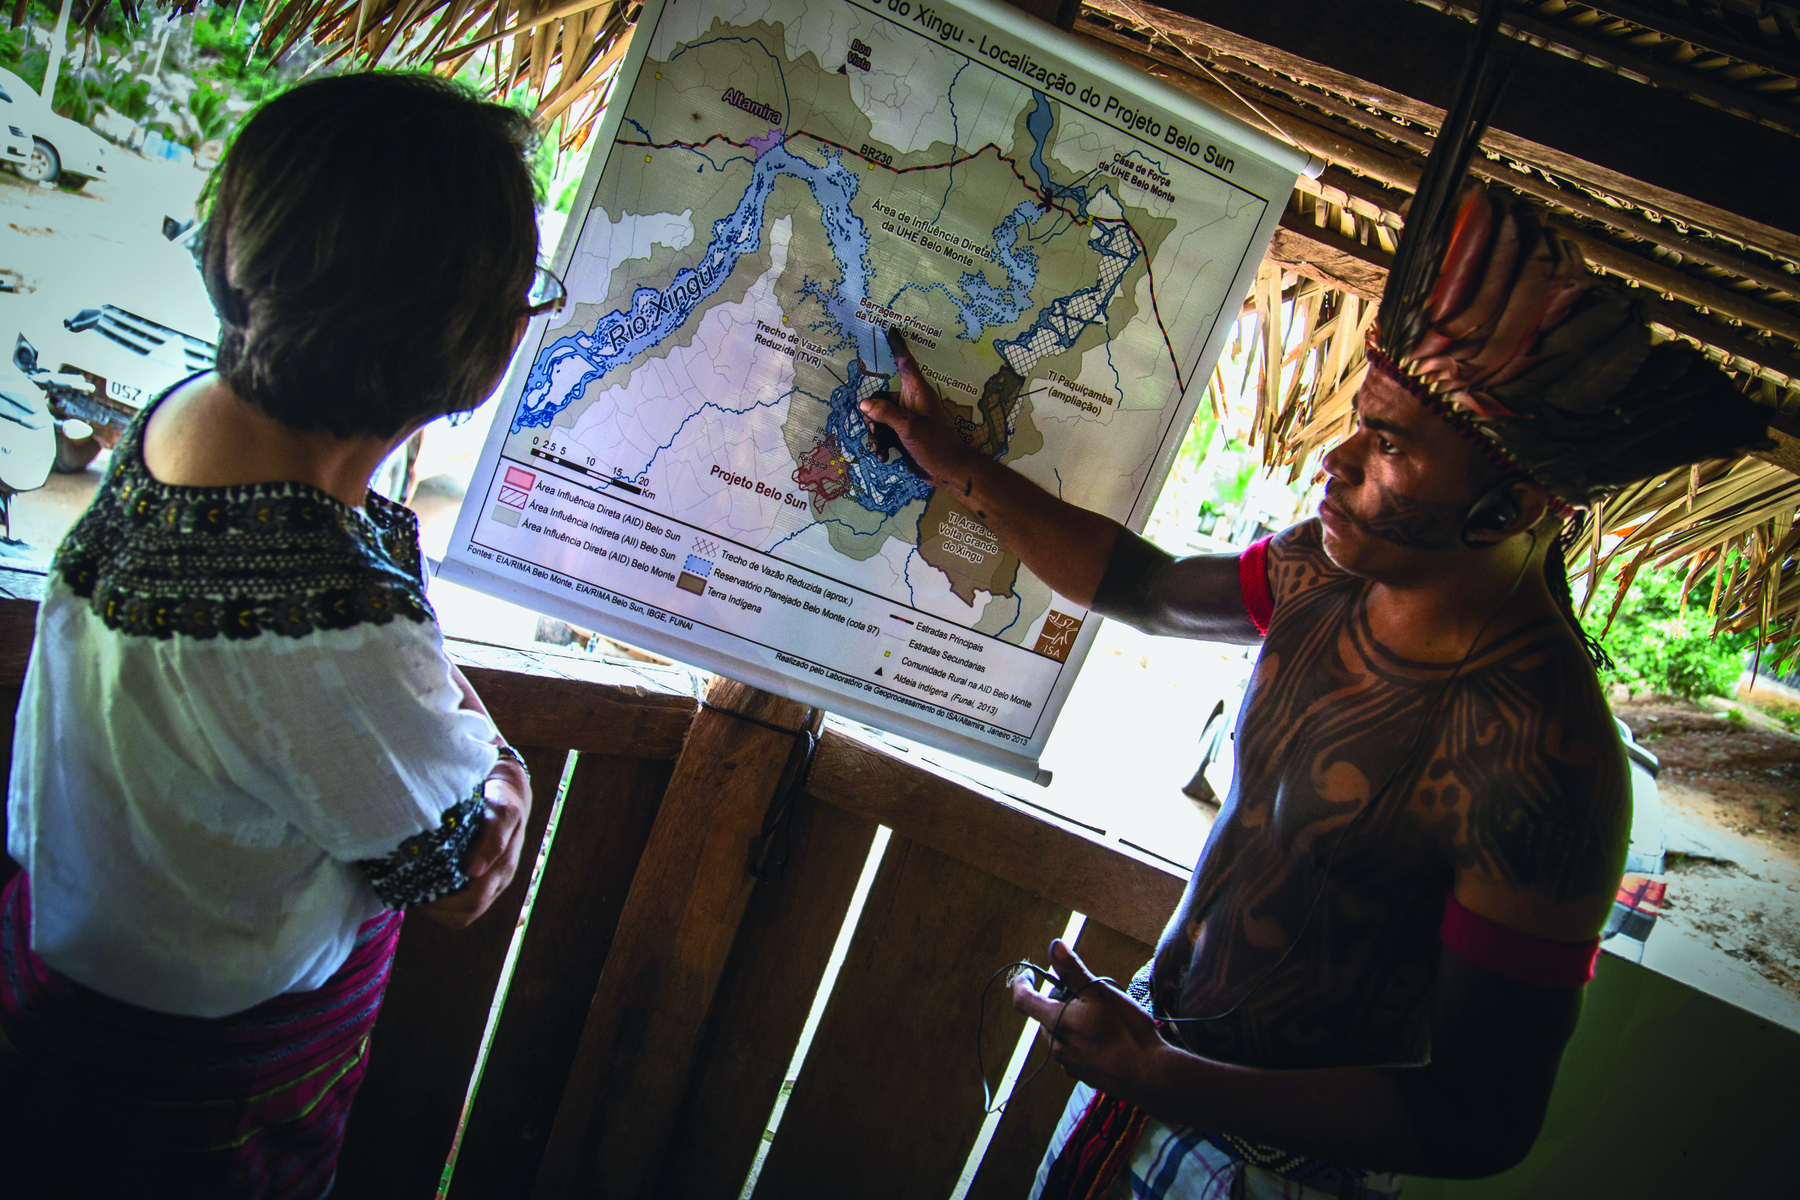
(1493, 511)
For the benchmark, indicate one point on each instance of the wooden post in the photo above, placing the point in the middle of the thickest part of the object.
(636, 1053)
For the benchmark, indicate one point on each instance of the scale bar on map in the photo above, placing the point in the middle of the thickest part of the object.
(588, 471)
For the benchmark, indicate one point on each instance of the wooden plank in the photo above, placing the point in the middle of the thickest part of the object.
(681, 916)
(18, 629)
(430, 1029)
(764, 997)
(887, 1103)
(989, 830)
(1567, 117)
(1012, 1158)
(606, 820)
(581, 702)
(1305, 249)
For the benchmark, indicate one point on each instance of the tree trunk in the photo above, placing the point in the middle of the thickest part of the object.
(59, 38)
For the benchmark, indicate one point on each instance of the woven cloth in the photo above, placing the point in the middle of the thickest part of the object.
(1175, 1163)
(99, 1097)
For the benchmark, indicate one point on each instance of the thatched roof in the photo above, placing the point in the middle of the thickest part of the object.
(563, 53)
(1660, 135)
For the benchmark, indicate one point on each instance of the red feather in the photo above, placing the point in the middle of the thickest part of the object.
(1494, 283)
(1464, 257)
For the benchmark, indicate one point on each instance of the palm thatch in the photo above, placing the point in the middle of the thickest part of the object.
(563, 54)
(1314, 302)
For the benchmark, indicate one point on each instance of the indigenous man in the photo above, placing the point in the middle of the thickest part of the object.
(1380, 955)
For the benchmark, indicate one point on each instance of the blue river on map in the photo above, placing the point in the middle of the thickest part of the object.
(568, 366)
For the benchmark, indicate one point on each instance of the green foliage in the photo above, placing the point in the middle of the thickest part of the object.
(133, 99)
(1659, 648)
(207, 107)
(1232, 487)
(22, 58)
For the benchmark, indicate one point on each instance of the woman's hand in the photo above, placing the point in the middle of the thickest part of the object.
(495, 855)
(1101, 1037)
(917, 415)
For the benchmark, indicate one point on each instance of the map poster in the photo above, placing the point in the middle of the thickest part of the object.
(679, 459)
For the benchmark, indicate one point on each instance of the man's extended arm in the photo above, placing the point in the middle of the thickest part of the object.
(1091, 559)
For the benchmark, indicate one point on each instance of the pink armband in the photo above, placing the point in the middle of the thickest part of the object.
(1253, 581)
(1519, 956)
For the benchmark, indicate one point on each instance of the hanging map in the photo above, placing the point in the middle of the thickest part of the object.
(680, 460)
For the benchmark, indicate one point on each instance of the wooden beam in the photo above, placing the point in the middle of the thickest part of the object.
(1394, 177)
(1132, 893)
(1749, 105)
(877, 1110)
(1682, 286)
(584, 703)
(1575, 121)
(681, 915)
(1324, 254)
(1785, 433)
(1762, 359)
(1660, 21)
(1388, 175)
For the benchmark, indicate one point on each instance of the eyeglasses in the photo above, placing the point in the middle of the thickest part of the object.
(547, 294)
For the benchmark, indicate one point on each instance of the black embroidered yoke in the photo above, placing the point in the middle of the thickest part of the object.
(157, 560)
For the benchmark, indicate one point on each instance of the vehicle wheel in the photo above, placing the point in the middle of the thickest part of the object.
(44, 165)
(74, 454)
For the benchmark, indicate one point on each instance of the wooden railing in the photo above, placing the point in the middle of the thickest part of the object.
(662, 988)
(684, 923)
(681, 927)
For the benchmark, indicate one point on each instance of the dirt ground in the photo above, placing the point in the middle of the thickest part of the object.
(1731, 816)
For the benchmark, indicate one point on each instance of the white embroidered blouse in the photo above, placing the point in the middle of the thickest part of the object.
(239, 738)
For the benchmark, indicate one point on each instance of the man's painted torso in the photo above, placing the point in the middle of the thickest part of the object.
(1365, 782)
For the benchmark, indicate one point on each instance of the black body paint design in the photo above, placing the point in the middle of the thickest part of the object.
(1404, 521)
(1519, 778)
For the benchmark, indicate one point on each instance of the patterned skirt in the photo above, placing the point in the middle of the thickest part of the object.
(104, 1098)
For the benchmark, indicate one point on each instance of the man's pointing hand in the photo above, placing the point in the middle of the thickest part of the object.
(917, 416)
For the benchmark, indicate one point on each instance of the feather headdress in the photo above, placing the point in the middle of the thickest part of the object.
(1495, 322)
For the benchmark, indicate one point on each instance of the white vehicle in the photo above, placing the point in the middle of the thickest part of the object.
(55, 148)
(27, 439)
(15, 139)
(114, 342)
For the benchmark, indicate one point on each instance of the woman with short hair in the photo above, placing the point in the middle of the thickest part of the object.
(241, 750)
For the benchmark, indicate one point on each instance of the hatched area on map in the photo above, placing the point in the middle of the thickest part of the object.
(784, 189)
